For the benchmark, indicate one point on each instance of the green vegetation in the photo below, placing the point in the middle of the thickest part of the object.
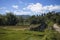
(13, 27)
(10, 34)
(11, 19)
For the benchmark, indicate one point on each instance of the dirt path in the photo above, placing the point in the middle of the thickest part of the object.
(56, 27)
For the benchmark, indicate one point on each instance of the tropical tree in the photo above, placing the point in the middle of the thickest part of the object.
(11, 19)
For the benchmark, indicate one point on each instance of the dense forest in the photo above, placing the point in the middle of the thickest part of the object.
(11, 19)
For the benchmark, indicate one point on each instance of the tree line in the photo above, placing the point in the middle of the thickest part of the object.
(11, 19)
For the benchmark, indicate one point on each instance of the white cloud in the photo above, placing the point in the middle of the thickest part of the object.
(22, 13)
(35, 7)
(38, 7)
(24, 8)
(52, 7)
(15, 6)
(7, 11)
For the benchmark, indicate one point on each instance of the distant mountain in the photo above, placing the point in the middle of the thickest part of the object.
(23, 16)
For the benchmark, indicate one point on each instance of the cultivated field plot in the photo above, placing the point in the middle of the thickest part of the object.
(10, 34)
(23, 33)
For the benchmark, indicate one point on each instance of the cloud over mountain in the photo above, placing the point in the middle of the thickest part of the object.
(38, 7)
(15, 6)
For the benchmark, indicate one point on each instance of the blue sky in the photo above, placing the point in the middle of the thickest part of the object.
(29, 7)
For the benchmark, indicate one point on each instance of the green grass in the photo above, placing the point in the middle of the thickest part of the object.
(9, 34)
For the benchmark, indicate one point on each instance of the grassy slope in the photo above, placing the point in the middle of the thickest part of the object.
(9, 34)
